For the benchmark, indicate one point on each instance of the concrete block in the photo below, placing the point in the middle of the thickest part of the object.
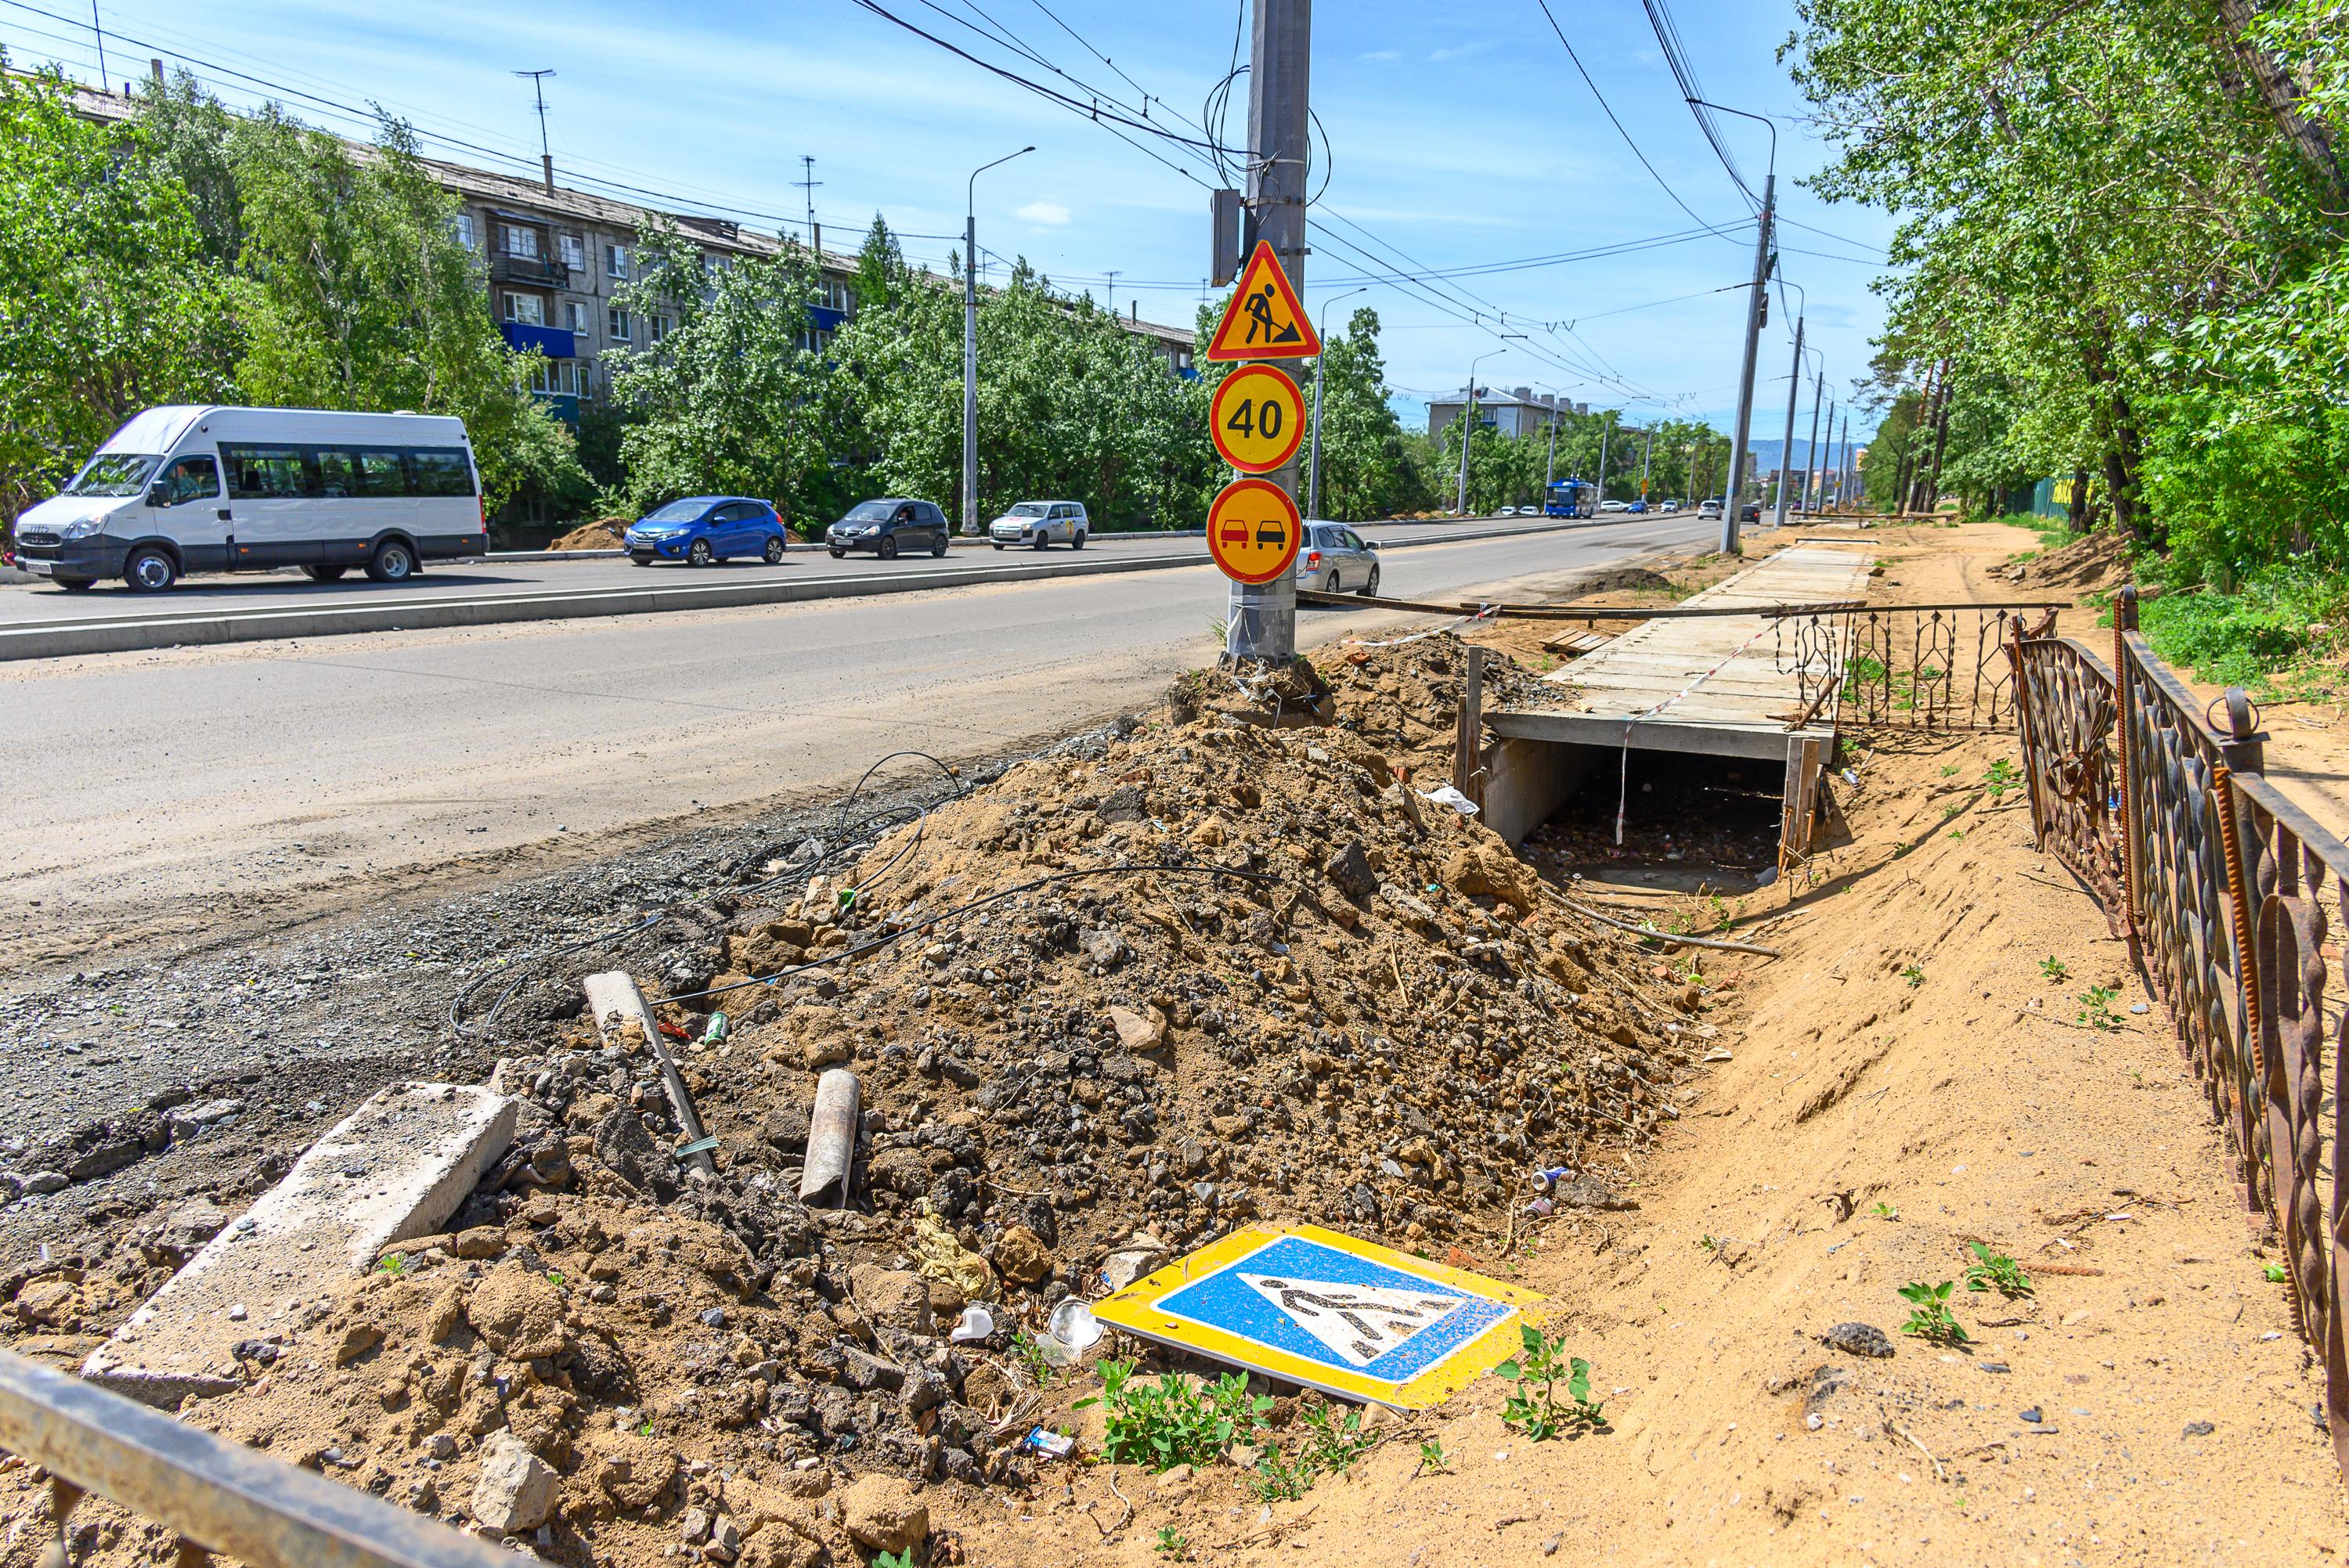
(394, 1169)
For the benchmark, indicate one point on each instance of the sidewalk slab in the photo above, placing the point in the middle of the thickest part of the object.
(396, 1168)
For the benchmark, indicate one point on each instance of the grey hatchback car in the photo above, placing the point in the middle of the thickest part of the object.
(888, 528)
(1333, 559)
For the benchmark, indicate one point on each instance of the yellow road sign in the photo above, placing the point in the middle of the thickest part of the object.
(1317, 1308)
(1257, 419)
(1252, 531)
(1265, 319)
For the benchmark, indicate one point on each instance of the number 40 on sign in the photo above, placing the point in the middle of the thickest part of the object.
(1257, 419)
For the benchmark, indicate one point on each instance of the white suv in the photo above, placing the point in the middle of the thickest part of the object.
(1041, 522)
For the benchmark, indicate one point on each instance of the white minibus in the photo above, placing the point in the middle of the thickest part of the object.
(182, 489)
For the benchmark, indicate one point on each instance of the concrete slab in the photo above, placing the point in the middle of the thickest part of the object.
(394, 1168)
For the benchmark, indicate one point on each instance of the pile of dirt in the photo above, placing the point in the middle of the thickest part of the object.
(2097, 563)
(604, 534)
(1192, 971)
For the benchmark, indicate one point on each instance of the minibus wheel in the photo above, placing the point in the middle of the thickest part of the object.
(150, 570)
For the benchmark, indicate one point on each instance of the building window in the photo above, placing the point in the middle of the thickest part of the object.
(838, 296)
(616, 323)
(615, 261)
(555, 377)
(525, 309)
(574, 315)
(573, 250)
(465, 230)
(517, 241)
(711, 263)
(659, 325)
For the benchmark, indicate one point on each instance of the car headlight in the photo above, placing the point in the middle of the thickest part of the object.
(83, 528)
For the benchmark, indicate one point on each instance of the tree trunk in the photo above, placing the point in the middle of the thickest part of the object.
(1940, 442)
(2307, 138)
(2078, 519)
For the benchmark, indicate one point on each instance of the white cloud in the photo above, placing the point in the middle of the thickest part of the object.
(1051, 212)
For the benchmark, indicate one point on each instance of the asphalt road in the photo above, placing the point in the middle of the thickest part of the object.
(38, 603)
(159, 797)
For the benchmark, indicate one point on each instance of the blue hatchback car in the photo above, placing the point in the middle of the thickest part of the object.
(702, 528)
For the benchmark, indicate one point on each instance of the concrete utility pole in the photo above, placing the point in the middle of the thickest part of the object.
(1808, 501)
(1787, 446)
(1606, 428)
(970, 341)
(1263, 619)
(1849, 472)
(1647, 451)
(1549, 468)
(1313, 464)
(1754, 304)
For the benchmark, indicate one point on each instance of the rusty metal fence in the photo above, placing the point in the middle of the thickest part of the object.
(2225, 892)
(1932, 667)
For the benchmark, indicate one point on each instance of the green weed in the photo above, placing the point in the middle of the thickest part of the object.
(2052, 968)
(2276, 1272)
(1915, 974)
(1174, 1420)
(2096, 1008)
(2002, 776)
(1949, 770)
(1929, 1313)
(1279, 1479)
(1031, 1358)
(1995, 1270)
(1170, 1541)
(1884, 1211)
(1332, 1443)
(1533, 1407)
(895, 1558)
(392, 1262)
(1431, 1460)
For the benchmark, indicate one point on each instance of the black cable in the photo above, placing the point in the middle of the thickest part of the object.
(531, 960)
(1660, 181)
(976, 904)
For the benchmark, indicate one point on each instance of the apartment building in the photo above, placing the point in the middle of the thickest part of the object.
(557, 259)
(1516, 412)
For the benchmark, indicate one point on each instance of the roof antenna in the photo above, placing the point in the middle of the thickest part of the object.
(545, 158)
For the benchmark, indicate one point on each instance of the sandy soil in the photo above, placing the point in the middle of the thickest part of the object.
(1910, 1051)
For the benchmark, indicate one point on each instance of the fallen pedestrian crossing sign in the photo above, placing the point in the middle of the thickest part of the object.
(1314, 1306)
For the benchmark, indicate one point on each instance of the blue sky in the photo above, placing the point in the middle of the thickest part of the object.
(1458, 137)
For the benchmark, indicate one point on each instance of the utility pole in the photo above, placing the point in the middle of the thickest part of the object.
(1550, 471)
(1606, 428)
(1848, 473)
(1787, 446)
(537, 87)
(1808, 501)
(1313, 463)
(1645, 453)
(97, 30)
(1755, 301)
(1263, 619)
(970, 341)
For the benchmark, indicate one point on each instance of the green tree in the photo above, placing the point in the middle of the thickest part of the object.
(106, 302)
(356, 293)
(733, 399)
(1369, 468)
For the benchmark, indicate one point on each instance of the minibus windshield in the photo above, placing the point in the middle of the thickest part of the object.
(114, 474)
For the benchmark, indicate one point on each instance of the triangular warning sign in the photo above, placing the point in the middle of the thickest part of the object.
(1360, 1322)
(1263, 320)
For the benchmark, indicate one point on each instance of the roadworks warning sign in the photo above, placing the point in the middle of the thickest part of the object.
(1265, 319)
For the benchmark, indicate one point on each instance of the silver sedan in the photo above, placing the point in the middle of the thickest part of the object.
(1333, 559)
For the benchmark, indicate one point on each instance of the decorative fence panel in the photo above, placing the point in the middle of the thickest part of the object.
(2222, 886)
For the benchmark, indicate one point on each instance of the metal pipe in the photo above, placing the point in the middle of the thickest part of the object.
(832, 1138)
(221, 1495)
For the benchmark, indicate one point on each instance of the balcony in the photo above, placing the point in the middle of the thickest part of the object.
(554, 342)
(540, 272)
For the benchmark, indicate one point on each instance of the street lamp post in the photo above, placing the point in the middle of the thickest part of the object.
(1313, 464)
(970, 343)
(1468, 416)
(1761, 261)
(1793, 395)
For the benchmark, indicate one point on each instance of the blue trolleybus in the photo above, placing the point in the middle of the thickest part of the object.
(1572, 498)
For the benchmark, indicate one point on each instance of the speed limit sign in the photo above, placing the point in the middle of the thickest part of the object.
(1257, 419)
